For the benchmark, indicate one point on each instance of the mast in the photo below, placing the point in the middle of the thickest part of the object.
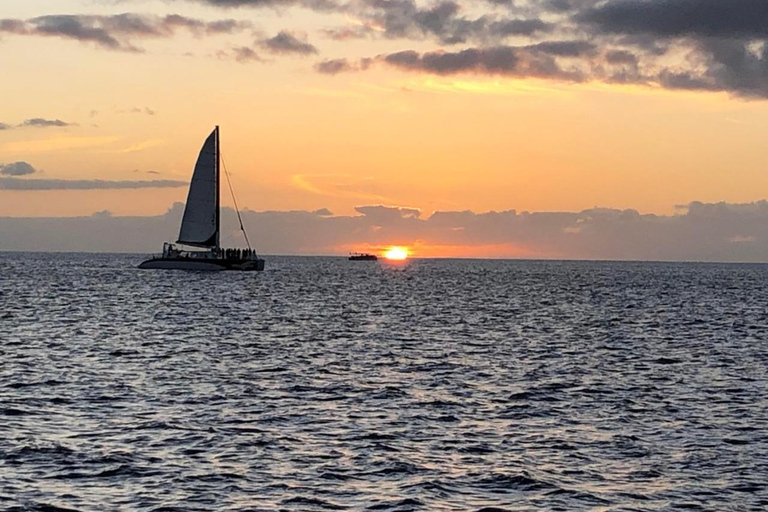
(218, 186)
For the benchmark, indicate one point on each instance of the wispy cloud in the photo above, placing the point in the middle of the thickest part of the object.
(55, 144)
(141, 146)
(336, 185)
(59, 184)
(39, 122)
(119, 31)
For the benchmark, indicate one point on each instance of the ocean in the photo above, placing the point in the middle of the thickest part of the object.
(431, 385)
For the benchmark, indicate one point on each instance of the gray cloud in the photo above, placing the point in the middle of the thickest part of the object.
(519, 27)
(140, 110)
(499, 60)
(678, 18)
(245, 54)
(621, 57)
(57, 184)
(116, 32)
(335, 66)
(444, 21)
(564, 48)
(39, 122)
(287, 43)
(17, 169)
(318, 5)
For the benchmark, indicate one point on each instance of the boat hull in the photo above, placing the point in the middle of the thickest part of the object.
(213, 265)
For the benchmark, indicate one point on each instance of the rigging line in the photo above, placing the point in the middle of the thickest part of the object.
(234, 200)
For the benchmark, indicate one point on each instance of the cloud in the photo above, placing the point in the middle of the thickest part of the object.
(385, 214)
(17, 169)
(138, 110)
(682, 18)
(117, 32)
(499, 60)
(317, 5)
(335, 66)
(39, 122)
(564, 48)
(245, 54)
(519, 27)
(58, 184)
(287, 43)
(443, 21)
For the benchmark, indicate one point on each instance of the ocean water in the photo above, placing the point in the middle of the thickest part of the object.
(435, 385)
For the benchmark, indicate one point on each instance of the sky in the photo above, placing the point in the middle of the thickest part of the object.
(467, 112)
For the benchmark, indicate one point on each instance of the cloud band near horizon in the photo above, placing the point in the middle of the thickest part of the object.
(734, 232)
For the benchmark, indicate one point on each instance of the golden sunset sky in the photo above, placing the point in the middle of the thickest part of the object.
(451, 105)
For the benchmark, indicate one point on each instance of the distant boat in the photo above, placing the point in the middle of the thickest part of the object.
(200, 225)
(362, 256)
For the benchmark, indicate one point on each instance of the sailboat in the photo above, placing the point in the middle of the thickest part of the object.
(200, 225)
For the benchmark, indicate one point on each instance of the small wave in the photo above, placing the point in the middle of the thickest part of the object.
(335, 476)
(667, 360)
(410, 503)
(123, 470)
(477, 449)
(21, 385)
(397, 469)
(314, 502)
(579, 495)
(499, 482)
(12, 411)
(40, 507)
(736, 442)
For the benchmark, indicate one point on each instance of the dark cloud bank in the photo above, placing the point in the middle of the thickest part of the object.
(701, 232)
(710, 45)
(699, 45)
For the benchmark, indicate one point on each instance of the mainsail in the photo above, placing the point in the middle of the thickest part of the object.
(200, 224)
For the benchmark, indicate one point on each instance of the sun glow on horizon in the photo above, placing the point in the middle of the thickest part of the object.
(396, 253)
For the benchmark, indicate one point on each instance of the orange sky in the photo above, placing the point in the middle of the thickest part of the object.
(296, 139)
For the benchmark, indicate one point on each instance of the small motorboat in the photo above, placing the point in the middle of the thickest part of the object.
(362, 256)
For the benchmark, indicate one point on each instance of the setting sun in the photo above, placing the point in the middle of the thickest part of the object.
(396, 253)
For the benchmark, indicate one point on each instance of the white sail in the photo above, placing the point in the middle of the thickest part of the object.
(199, 226)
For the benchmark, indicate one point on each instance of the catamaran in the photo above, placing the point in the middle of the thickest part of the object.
(200, 225)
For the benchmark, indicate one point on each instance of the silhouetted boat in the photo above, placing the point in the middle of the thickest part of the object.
(362, 256)
(200, 223)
